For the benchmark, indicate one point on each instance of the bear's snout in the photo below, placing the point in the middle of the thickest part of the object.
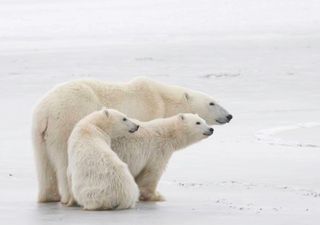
(134, 129)
(229, 117)
(209, 132)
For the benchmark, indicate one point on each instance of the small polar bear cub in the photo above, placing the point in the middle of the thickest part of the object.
(148, 151)
(97, 178)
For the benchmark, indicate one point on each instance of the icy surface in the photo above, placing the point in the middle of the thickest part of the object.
(260, 59)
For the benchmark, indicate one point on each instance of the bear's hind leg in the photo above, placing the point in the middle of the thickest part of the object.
(48, 190)
(58, 155)
(47, 181)
(63, 182)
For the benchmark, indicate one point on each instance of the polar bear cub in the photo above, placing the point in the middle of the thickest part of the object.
(97, 178)
(148, 151)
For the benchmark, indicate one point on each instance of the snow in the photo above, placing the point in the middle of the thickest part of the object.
(260, 59)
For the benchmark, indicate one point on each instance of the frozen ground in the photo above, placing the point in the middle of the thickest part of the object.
(259, 58)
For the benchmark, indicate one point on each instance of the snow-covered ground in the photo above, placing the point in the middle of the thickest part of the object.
(260, 59)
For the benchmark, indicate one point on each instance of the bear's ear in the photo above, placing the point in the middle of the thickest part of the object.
(186, 96)
(106, 112)
(181, 116)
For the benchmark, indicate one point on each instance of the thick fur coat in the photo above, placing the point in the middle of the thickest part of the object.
(148, 150)
(97, 178)
(143, 99)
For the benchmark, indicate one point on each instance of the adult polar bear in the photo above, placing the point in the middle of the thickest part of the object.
(142, 98)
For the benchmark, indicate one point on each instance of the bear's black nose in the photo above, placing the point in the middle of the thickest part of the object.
(211, 130)
(229, 117)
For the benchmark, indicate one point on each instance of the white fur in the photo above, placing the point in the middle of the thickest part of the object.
(148, 151)
(97, 177)
(58, 112)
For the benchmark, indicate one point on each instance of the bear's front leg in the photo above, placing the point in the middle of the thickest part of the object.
(147, 182)
(72, 202)
(153, 196)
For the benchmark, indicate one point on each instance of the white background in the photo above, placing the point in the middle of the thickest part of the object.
(259, 59)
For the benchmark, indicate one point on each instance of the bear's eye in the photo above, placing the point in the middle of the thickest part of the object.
(211, 103)
(124, 119)
(198, 123)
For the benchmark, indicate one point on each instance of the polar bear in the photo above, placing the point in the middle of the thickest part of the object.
(148, 151)
(144, 99)
(98, 179)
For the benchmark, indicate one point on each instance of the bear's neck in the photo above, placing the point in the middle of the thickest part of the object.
(182, 139)
(102, 126)
(173, 98)
(171, 135)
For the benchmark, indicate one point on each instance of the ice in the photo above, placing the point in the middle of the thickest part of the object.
(260, 59)
(299, 135)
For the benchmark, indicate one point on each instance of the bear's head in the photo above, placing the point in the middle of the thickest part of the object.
(194, 126)
(207, 108)
(118, 123)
